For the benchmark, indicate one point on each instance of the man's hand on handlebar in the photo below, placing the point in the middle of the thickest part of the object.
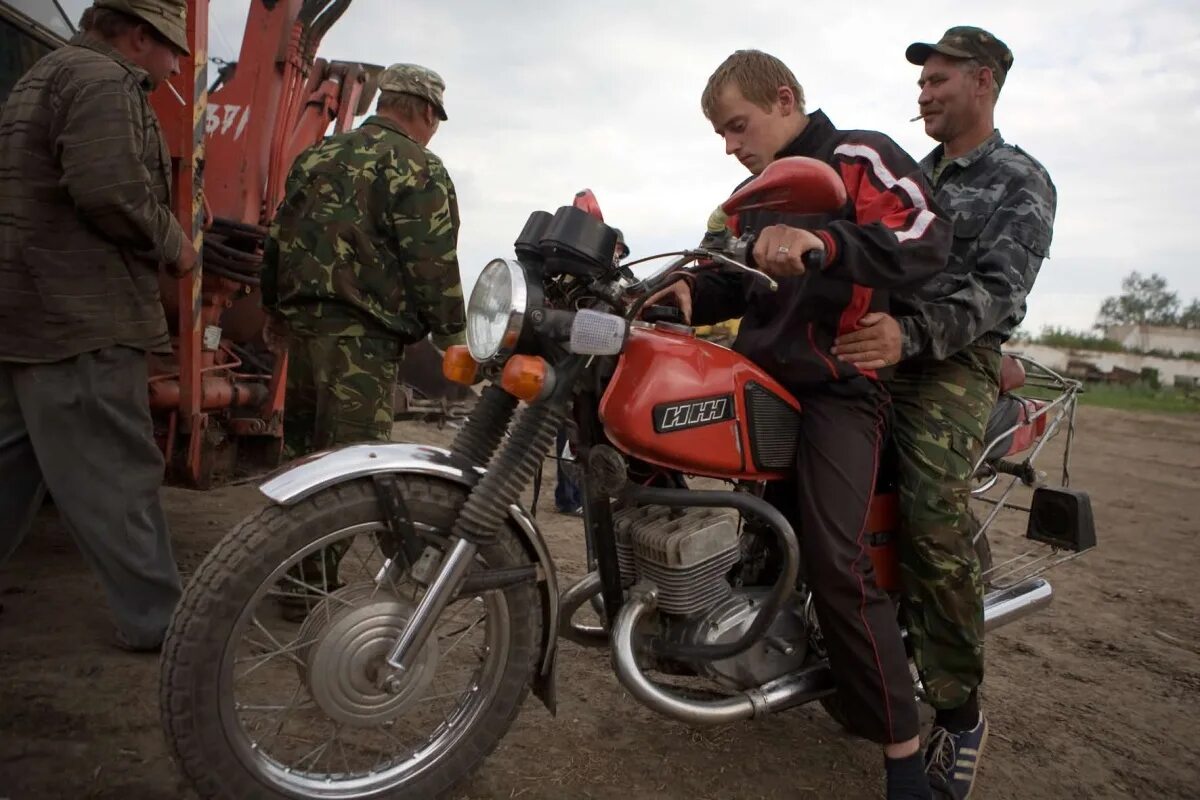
(780, 250)
(678, 294)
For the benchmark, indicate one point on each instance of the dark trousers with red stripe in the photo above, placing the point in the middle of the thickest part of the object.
(844, 425)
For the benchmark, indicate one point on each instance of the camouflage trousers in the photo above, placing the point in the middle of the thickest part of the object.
(340, 390)
(940, 412)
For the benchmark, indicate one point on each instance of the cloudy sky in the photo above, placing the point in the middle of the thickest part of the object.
(548, 98)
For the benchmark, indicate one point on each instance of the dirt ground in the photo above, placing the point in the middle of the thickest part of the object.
(1099, 696)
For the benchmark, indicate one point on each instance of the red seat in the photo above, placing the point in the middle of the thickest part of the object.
(1012, 374)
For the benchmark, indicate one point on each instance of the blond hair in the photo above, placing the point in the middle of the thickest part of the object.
(757, 75)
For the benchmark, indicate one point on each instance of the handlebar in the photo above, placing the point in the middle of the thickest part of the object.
(728, 252)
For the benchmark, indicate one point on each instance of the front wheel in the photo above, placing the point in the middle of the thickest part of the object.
(255, 705)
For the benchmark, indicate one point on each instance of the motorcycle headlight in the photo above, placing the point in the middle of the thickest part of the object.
(496, 310)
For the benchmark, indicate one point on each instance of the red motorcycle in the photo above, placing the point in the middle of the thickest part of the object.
(416, 655)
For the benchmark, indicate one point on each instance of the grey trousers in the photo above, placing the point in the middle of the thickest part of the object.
(82, 428)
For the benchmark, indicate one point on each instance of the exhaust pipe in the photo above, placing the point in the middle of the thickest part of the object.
(797, 688)
(569, 604)
(1008, 605)
(790, 690)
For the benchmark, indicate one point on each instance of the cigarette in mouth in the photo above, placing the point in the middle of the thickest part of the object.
(917, 117)
(178, 96)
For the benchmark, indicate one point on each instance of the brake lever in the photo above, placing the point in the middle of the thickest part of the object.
(726, 261)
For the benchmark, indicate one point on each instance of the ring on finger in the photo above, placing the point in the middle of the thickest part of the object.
(783, 250)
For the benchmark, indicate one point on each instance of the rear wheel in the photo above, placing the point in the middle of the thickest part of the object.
(256, 706)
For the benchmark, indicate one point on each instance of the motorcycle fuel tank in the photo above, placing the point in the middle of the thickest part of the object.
(691, 405)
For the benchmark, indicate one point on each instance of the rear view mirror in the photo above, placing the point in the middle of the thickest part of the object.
(795, 185)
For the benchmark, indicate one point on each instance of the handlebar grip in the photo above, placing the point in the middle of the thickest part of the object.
(814, 260)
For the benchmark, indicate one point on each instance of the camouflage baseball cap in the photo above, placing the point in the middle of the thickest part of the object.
(965, 41)
(168, 17)
(415, 80)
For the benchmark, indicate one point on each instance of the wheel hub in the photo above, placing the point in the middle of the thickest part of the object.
(345, 663)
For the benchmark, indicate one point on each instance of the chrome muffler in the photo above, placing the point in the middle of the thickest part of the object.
(1000, 608)
(1008, 605)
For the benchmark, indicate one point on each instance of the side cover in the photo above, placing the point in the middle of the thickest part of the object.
(688, 404)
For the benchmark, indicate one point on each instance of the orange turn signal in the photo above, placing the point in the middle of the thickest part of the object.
(528, 378)
(458, 366)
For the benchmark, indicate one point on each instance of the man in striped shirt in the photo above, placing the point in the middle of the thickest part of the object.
(85, 224)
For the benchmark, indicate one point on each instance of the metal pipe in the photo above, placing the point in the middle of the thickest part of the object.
(793, 689)
(1000, 608)
(216, 392)
(432, 604)
(572, 600)
(1009, 605)
(625, 665)
(66, 19)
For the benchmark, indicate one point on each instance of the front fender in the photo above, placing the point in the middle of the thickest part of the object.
(319, 471)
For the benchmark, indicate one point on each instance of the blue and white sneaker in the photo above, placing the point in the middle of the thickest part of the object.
(952, 758)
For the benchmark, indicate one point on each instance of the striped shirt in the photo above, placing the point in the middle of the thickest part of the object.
(85, 220)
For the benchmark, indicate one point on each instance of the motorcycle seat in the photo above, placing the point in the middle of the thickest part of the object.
(1011, 409)
(1012, 375)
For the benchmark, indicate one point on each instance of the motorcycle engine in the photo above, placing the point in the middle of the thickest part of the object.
(685, 553)
(688, 554)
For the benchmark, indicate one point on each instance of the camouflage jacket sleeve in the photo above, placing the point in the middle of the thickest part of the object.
(425, 223)
(1009, 251)
(100, 137)
(269, 274)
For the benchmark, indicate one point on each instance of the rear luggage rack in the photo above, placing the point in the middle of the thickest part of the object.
(1060, 525)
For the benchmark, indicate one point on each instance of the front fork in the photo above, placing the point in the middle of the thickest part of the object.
(480, 519)
(443, 588)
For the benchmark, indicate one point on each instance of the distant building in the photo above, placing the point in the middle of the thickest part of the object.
(1146, 338)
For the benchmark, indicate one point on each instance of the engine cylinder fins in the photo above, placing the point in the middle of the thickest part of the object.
(685, 553)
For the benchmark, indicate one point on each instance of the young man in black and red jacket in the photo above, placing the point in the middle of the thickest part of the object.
(889, 234)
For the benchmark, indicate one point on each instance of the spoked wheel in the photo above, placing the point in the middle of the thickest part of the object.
(259, 701)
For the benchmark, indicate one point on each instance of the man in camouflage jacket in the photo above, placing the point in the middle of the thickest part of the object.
(361, 262)
(85, 224)
(946, 335)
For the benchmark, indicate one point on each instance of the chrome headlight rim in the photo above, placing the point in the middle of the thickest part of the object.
(518, 307)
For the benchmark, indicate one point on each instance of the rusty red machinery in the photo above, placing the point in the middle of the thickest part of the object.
(218, 401)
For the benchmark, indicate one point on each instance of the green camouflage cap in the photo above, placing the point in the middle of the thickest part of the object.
(415, 80)
(965, 41)
(168, 17)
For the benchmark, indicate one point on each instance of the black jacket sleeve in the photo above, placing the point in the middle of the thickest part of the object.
(899, 236)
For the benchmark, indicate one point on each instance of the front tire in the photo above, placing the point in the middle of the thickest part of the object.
(326, 674)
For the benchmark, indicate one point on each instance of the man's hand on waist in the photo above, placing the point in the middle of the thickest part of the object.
(678, 294)
(779, 250)
(876, 343)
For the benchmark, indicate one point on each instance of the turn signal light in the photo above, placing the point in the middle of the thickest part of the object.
(528, 378)
(458, 366)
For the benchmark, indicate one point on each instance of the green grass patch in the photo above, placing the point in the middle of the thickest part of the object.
(1139, 397)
